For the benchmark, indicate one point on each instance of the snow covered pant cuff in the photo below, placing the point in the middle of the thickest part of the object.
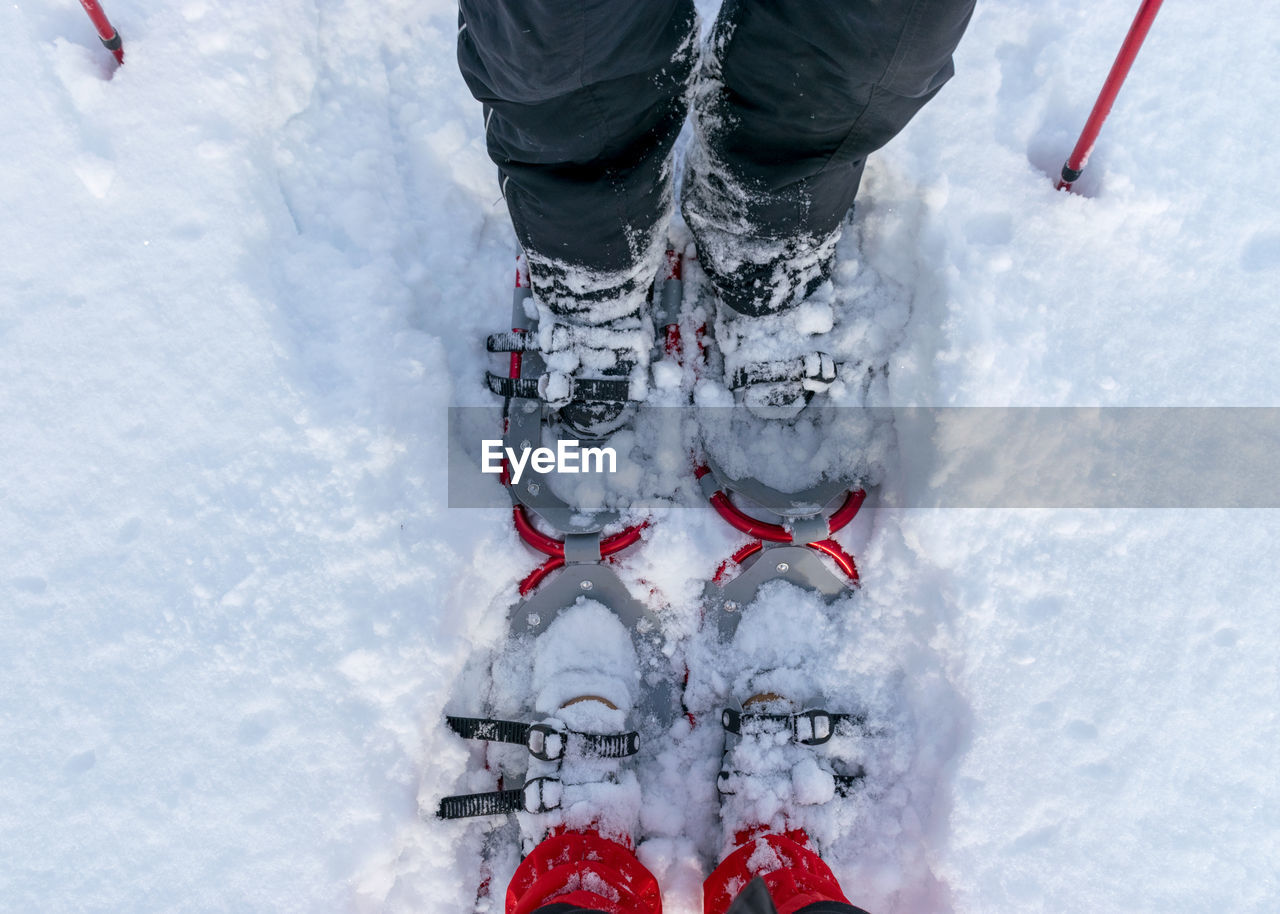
(790, 98)
(578, 296)
(753, 276)
(582, 871)
(795, 876)
(583, 102)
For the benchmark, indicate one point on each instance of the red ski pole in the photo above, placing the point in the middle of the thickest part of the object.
(106, 33)
(1074, 167)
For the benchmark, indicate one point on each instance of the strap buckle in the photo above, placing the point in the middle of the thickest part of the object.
(819, 372)
(813, 727)
(546, 741)
(544, 794)
(537, 795)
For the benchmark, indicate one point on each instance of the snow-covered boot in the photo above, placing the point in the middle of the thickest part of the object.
(585, 685)
(585, 681)
(577, 805)
(586, 872)
(774, 873)
(594, 372)
(782, 411)
(586, 365)
(770, 774)
(790, 773)
(579, 841)
(579, 844)
(774, 364)
(772, 777)
(574, 375)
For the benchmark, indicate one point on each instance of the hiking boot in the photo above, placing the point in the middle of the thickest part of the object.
(775, 364)
(593, 374)
(789, 751)
(585, 685)
(585, 356)
(784, 418)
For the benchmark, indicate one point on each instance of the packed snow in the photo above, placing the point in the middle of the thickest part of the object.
(246, 274)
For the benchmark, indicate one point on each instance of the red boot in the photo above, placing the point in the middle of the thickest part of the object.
(792, 871)
(584, 870)
(775, 774)
(580, 834)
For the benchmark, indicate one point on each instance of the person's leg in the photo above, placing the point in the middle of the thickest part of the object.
(583, 100)
(582, 872)
(790, 99)
(774, 872)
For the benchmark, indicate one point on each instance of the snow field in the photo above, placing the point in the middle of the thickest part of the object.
(244, 276)
(1130, 656)
(211, 403)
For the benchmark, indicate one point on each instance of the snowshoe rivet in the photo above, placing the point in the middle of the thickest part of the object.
(534, 488)
(524, 445)
(783, 568)
(586, 585)
(534, 620)
(730, 606)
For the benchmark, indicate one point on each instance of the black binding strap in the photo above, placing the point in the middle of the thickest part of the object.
(846, 784)
(817, 366)
(545, 741)
(810, 728)
(537, 795)
(512, 341)
(502, 731)
(608, 745)
(493, 803)
(508, 388)
(613, 390)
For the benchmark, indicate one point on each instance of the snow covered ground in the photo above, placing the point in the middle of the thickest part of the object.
(242, 279)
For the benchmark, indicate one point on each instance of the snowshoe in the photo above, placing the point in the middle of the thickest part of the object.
(583, 691)
(786, 399)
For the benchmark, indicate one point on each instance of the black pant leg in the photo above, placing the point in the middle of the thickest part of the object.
(583, 102)
(791, 97)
